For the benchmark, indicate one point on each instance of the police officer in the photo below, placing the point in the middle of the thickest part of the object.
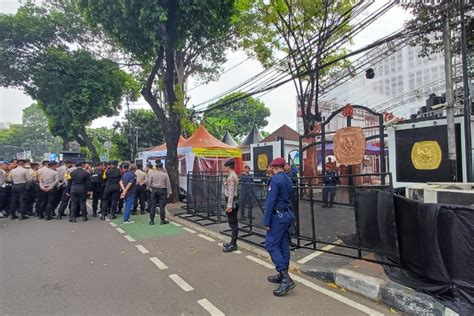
(40, 196)
(329, 191)
(61, 186)
(98, 187)
(32, 187)
(78, 188)
(277, 220)
(3, 189)
(140, 193)
(48, 183)
(65, 196)
(111, 191)
(160, 186)
(246, 194)
(231, 205)
(19, 200)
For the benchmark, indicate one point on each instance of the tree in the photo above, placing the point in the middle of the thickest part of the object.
(74, 89)
(171, 40)
(309, 32)
(145, 124)
(32, 134)
(238, 118)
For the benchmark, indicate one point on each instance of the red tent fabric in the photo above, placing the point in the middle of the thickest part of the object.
(203, 139)
(163, 146)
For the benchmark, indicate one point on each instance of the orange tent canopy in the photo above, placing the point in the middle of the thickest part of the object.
(163, 146)
(203, 139)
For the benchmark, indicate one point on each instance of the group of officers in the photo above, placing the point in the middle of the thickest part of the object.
(47, 189)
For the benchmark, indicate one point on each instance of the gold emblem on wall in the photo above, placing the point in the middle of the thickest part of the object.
(426, 155)
(349, 145)
(262, 161)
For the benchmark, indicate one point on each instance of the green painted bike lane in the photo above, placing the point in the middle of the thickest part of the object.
(140, 229)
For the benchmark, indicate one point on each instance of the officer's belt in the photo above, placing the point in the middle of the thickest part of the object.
(281, 210)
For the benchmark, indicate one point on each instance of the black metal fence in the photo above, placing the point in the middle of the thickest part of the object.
(351, 227)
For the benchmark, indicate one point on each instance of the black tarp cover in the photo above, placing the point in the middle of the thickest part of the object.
(436, 244)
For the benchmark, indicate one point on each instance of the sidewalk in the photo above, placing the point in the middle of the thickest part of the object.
(359, 276)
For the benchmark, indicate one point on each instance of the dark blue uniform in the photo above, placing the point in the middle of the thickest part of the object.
(279, 217)
(329, 191)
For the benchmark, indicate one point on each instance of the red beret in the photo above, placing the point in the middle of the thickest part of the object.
(278, 162)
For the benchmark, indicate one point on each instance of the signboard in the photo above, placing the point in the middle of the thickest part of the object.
(422, 154)
(103, 157)
(349, 145)
(262, 156)
(218, 152)
(24, 155)
(107, 144)
(52, 157)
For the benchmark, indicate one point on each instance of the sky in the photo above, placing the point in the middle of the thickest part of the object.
(281, 101)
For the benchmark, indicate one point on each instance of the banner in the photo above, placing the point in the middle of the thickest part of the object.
(218, 152)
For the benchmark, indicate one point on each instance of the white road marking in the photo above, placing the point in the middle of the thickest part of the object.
(113, 224)
(261, 262)
(318, 253)
(130, 239)
(160, 265)
(176, 224)
(237, 252)
(120, 230)
(206, 238)
(336, 296)
(213, 311)
(142, 249)
(322, 290)
(189, 230)
(181, 283)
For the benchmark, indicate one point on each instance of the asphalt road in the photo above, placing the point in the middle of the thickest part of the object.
(106, 268)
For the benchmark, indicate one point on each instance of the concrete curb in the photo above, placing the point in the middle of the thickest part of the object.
(388, 293)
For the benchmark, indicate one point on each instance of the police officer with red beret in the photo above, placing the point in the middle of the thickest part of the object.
(277, 220)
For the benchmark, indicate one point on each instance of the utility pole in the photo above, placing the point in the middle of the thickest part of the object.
(448, 72)
(466, 96)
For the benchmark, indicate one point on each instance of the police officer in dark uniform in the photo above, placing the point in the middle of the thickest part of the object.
(277, 220)
(78, 188)
(329, 191)
(111, 191)
(98, 187)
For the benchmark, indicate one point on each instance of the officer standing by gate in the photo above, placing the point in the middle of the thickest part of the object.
(277, 220)
(19, 201)
(232, 207)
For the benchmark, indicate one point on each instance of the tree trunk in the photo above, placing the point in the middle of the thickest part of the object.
(172, 133)
(85, 141)
(65, 144)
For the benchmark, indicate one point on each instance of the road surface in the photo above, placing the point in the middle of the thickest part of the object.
(107, 268)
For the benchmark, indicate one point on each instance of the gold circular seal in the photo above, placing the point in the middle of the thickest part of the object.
(262, 161)
(426, 155)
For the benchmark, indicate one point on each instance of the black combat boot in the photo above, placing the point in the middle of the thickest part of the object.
(285, 285)
(230, 247)
(94, 213)
(275, 278)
